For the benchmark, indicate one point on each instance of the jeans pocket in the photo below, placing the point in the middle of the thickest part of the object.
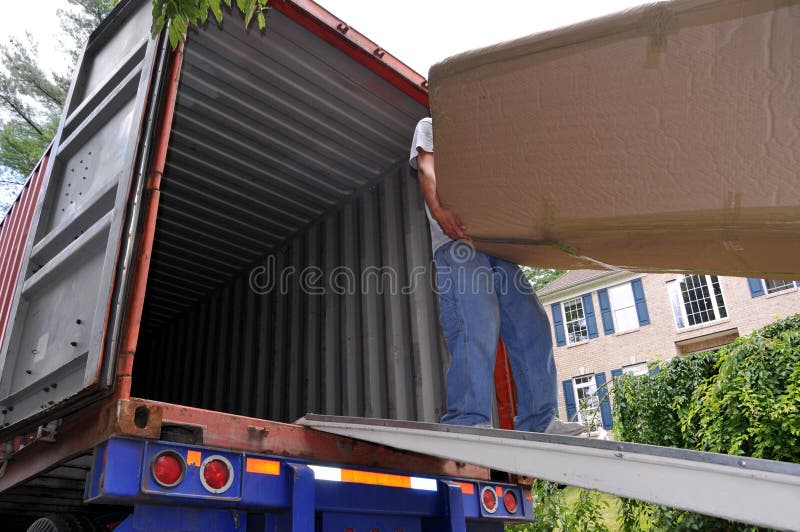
(450, 315)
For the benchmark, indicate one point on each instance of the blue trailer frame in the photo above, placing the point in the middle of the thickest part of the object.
(272, 493)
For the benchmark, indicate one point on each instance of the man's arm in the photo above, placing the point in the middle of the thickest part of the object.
(449, 221)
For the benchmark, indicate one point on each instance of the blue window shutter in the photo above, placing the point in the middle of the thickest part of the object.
(756, 287)
(655, 369)
(588, 312)
(641, 303)
(602, 395)
(569, 398)
(605, 311)
(558, 324)
(616, 373)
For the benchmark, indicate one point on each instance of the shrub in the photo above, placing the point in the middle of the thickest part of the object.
(552, 511)
(741, 400)
(750, 407)
(649, 408)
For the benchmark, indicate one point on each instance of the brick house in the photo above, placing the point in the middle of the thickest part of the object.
(608, 323)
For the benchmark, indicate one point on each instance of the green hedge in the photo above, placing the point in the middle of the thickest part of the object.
(741, 400)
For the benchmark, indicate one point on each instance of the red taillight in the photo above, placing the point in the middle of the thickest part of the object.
(510, 501)
(489, 499)
(216, 474)
(168, 468)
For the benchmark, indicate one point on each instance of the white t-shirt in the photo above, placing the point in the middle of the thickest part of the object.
(423, 139)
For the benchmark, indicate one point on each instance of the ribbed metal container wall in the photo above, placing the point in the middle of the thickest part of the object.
(341, 344)
(13, 237)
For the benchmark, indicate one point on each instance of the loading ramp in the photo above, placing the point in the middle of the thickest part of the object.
(750, 490)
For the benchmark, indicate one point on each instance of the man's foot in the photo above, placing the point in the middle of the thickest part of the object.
(564, 428)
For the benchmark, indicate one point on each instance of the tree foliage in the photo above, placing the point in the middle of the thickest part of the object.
(541, 277)
(751, 406)
(183, 13)
(31, 98)
(79, 20)
(742, 400)
(553, 510)
(650, 408)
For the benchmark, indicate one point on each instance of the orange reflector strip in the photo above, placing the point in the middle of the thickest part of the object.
(467, 488)
(194, 458)
(376, 479)
(263, 467)
(498, 490)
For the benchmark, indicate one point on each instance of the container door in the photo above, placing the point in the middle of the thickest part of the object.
(52, 352)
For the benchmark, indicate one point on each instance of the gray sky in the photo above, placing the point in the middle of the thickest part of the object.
(418, 32)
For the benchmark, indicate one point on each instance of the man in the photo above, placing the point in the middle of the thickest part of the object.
(481, 297)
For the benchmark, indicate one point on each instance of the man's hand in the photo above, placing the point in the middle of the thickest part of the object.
(451, 223)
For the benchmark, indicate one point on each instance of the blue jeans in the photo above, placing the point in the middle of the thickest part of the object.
(481, 297)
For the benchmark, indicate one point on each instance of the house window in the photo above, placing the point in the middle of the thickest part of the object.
(772, 285)
(696, 299)
(623, 308)
(575, 321)
(635, 369)
(588, 404)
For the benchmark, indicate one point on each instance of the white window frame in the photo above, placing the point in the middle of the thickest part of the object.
(784, 290)
(635, 369)
(583, 325)
(592, 412)
(614, 310)
(714, 304)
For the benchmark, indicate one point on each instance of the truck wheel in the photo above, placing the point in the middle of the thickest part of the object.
(65, 523)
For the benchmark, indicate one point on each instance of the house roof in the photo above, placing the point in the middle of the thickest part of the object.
(573, 278)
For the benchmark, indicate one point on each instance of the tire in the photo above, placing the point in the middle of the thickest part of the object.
(66, 523)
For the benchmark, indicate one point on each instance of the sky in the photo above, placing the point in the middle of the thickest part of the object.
(418, 32)
(423, 32)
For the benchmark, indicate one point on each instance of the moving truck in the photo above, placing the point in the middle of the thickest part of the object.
(143, 345)
(226, 236)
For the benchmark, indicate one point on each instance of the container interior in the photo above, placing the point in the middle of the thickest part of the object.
(291, 267)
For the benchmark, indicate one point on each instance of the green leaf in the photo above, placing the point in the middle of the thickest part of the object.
(159, 18)
(251, 10)
(261, 22)
(216, 9)
(175, 36)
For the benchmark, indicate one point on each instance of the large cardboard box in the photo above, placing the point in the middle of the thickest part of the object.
(663, 138)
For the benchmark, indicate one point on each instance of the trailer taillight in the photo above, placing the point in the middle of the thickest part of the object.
(168, 468)
(216, 474)
(510, 501)
(489, 499)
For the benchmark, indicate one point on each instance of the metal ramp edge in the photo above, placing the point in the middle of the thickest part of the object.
(755, 491)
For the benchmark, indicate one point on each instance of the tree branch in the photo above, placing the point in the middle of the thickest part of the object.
(19, 109)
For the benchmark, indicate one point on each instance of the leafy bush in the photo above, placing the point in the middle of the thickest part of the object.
(649, 408)
(750, 407)
(741, 400)
(552, 511)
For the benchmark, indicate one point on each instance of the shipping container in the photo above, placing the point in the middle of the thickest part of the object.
(226, 233)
